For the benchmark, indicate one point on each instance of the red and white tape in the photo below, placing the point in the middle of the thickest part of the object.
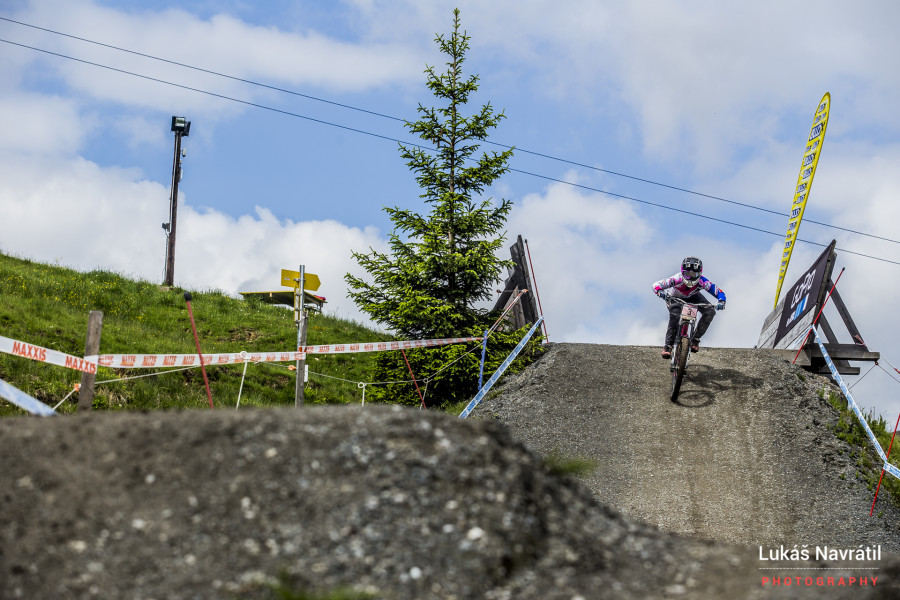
(53, 357)
(382, 346)
(146, 361)
(139, 361)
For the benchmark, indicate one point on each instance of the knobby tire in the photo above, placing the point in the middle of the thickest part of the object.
(681, 355)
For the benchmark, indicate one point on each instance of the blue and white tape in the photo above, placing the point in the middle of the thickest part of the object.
(512, 356)
(852, 404)
(23, 400)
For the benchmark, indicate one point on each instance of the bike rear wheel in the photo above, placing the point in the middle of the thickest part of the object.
(681, 356)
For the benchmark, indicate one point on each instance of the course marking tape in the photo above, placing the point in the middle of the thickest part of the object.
(850, 401)
(147, 361)
(23, 400)
(512, 356)
(139, 361)
(892, 470)
(382, 346)
(53, 357)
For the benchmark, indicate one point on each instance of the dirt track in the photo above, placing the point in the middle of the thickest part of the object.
(745, 456)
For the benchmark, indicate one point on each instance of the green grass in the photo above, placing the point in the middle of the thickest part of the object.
(48, 306)
(868, 463)
(573, 466)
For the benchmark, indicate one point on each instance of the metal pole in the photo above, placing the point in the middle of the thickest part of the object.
(300, 312)
(483, 355)
(173, 212)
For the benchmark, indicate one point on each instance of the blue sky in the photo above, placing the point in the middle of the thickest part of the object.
(716, 98)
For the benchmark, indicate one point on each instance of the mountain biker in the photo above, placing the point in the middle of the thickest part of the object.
(687, 285)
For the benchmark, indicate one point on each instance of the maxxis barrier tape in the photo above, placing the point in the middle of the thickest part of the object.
(855, 407)
(53, 357)
(139, 361)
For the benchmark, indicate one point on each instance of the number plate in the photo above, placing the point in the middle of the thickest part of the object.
(688, 313)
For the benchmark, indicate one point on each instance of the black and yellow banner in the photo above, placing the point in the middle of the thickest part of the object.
(804, 185)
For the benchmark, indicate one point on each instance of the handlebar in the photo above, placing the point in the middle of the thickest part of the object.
(668, 298)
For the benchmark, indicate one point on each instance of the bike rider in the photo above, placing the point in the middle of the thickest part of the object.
(687, 285)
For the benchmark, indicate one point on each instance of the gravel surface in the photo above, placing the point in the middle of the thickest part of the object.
(403, 503)
(745, 456)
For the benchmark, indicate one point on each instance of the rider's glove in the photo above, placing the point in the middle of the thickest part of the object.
(720, 305)
(661, 293)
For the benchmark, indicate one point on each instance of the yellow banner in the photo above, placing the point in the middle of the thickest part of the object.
(804, 184)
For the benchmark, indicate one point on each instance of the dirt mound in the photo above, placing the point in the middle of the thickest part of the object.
(401, 503)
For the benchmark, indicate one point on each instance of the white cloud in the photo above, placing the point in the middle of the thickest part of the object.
(40, 124)
(72, 212)
(221, 44)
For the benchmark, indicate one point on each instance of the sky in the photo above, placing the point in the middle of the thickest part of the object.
(645, 131)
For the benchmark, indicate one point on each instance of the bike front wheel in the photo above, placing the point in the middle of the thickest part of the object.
(680, 357)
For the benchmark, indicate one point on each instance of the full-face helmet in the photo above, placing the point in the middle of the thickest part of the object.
(691, 268)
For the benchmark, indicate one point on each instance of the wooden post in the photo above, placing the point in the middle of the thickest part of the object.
(91, 348)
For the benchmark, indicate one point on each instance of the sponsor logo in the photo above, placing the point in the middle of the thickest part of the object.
(129, 360)
(148, 361)
(808, 159)
(804, 287)
(801, 187)
(169, 361)
(816, 131)
(29, 351)
(80, 364)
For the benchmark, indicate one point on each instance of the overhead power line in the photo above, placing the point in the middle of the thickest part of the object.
(391, 117)
(426, 148)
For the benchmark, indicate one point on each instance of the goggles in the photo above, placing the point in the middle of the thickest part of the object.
(691, 273)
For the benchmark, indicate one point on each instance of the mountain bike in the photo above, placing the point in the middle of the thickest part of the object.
(681, 352)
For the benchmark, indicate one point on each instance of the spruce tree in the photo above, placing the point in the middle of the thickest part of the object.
(442, 263)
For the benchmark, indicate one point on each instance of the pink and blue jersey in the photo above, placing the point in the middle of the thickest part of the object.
(681, 289)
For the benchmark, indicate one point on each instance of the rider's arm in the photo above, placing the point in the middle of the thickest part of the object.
(713, 289)
(663, 284)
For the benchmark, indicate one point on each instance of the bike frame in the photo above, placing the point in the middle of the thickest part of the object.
(681, 352)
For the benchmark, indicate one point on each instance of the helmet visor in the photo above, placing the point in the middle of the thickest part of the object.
(691, 273)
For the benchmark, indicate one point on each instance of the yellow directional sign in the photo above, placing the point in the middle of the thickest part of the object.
(290, 279)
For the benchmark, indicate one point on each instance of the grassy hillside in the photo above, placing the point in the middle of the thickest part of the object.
(48, 306)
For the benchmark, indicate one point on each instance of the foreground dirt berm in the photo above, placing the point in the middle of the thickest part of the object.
(414, 504)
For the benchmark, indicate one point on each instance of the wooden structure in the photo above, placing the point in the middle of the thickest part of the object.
(786, 326)
(525, 312)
